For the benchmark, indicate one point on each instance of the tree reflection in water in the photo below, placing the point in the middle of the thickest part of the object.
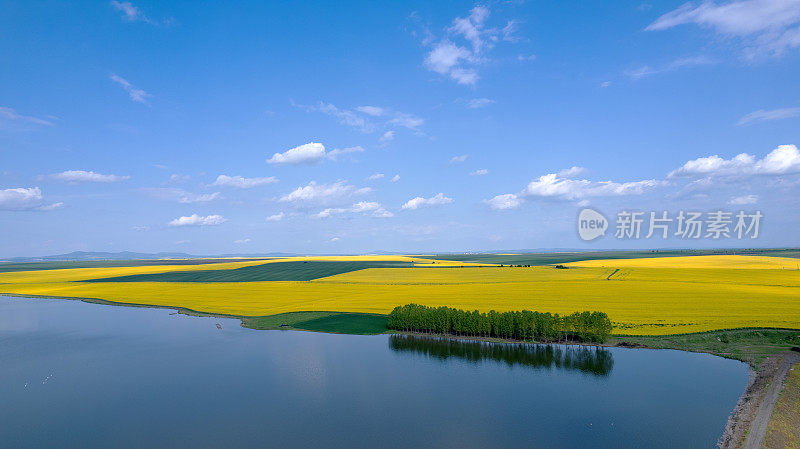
(591, 360)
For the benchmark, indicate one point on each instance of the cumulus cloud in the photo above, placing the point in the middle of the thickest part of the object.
(242, 182)
(766, 116)
(362, 207)
(551, 186)
(277, 217)
(480, 172)
(742, 200)
(323, 193)
(197, 220)
(375, 176)
(240, 241)
(10, 114)
(465, 44)
(458, 159)
(504, 202)
(555, 187)
(180, 195)
(782, 160)
(395, 178)
(76, 176)
(387, 136)
(137, 95)
(310, 153)
(765, 27)
(437, 200)
(25, 199)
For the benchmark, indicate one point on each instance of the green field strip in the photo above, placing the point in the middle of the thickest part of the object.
(276, 271)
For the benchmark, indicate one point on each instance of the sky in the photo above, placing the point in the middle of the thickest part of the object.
(418, 127)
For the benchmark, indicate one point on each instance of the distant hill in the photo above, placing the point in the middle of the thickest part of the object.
(126, 255)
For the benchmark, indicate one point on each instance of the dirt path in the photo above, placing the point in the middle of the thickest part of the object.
(758, 428)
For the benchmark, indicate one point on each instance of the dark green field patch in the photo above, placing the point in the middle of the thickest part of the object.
(346, 323)
(566, 257)
(276, 271)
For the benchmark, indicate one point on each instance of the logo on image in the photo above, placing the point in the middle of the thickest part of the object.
(591, 224)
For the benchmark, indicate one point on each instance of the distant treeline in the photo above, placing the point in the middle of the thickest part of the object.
(521, 325)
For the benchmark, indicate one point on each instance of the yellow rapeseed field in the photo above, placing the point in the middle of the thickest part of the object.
(641, 296)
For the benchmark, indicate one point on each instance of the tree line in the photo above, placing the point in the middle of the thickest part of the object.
(594, 327)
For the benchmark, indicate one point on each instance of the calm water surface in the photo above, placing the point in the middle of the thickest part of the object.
(74, 374)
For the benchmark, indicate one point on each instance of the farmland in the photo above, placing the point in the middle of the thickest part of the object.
(642, 296)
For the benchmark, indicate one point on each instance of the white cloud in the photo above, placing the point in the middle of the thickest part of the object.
(526, 57)
(504, 202)
(11, 114)
(387, 136)
(362, 207)
(130, 12)
(457, 159)
(680, 63)
(764, 116)
(444, 58)
(375, 176)
(742, 200)
(310, 153)
(783, 160)
(75, 176)
(766, 26)
(465, 45)
(240, 241)
(476, 103)
(52, 206)
(277, 217)
(321, 193)
(374, 111)
(551, 186)
(334, 239)
(137, 95)
(555, 187)
(362, 115)
(336, 152)
(571, 172)
(177, 178)
(605, 84)
(242, 182)
(406, 121)
(25, 199)
(180, 195)
(395, 178)
(436, 200)
(480, 172)
(197, 220)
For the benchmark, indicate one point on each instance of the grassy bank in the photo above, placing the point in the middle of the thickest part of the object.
(332, 322)
(748, 345)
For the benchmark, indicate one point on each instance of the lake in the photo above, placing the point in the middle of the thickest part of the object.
(75, 374)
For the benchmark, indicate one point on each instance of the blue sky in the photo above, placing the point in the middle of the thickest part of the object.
(352, 127)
